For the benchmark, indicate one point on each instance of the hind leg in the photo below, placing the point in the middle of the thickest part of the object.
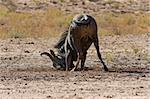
(83, 60)
(99, 54)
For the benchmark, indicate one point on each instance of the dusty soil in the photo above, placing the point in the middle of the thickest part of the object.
(25, 74)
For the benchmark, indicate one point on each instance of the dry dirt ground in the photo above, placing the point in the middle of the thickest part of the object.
(25, 74)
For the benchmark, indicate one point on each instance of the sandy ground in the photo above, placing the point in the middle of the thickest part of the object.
(25, 74)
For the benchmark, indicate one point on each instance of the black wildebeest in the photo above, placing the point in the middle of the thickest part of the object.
(75, 42)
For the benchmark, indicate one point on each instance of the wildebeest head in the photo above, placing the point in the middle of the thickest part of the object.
(58, 61)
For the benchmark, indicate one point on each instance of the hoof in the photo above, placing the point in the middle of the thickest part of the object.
(106, 69)
(73, 69)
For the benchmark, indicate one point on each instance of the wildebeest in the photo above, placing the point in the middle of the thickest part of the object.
(75, 42)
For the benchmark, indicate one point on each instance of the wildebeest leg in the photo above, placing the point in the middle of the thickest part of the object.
(99, 54)
(68, 60)
(78, 61)
(83, 60)
(79, 54)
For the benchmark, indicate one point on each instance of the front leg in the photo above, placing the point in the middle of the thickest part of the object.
(79, 54)
(67, 60)
(78, 61)
(83, 60)
(77, 46)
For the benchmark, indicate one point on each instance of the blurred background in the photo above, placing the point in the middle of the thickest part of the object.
(49, 18)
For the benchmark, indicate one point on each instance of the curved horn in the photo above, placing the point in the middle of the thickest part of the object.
(47, 54)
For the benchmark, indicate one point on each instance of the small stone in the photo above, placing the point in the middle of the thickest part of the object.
(141, 87)
(143, 75)
(26, 51)
(49, 96)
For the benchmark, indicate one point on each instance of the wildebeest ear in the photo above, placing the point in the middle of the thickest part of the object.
(52, 52)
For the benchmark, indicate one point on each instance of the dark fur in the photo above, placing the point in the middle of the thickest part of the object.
(83, 37)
